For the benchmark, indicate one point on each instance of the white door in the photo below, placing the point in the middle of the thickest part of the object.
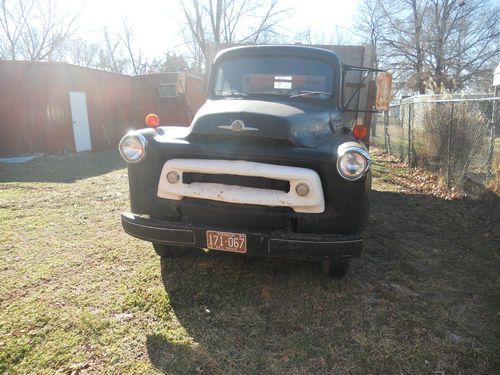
(80, 119)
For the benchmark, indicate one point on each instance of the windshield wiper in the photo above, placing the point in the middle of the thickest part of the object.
(230, 92)
(310, 93)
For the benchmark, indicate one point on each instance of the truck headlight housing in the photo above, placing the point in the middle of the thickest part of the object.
(133, 147)
(353, 162)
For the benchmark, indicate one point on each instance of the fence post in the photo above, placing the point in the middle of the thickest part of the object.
(410, 114)
(448, 160)
(386, 125)
(493, 131)
(494, 110)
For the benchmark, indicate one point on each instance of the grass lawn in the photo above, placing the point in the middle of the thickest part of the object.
(79, 296)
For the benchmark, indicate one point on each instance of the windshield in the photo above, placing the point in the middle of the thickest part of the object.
(284, 76)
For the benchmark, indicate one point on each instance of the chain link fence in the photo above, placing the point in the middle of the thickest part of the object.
(457, 138)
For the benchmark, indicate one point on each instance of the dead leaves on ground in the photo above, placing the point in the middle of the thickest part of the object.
(415, 180)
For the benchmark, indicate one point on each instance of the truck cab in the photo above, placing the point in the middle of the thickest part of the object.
(269, 165)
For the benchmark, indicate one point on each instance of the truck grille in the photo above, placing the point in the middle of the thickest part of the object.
(242, 182)
(246, 181)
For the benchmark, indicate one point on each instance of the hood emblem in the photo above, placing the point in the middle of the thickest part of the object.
(237, 126)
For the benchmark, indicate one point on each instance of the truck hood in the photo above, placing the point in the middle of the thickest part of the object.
(300, 123)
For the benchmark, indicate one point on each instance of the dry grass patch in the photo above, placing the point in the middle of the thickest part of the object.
(79, 296)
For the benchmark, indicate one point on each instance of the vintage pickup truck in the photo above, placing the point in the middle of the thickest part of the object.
(269, 165)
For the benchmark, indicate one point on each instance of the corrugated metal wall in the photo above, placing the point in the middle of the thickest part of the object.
(35, 113)
(177, 111)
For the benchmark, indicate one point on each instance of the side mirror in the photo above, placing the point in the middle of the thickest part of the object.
(384, 91)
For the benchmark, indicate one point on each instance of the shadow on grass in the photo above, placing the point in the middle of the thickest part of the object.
(410, 304)
(67, 168)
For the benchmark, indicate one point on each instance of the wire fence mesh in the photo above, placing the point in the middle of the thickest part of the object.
(456, 138)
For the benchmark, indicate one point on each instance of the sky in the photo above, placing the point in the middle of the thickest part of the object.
(156, 22)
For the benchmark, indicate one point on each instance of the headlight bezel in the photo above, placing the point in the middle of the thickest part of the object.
(140, 139)
(343, 150)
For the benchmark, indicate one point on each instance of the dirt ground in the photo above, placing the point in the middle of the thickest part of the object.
(79, 296)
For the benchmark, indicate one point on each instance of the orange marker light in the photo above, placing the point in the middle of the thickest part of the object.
(360, 131)
(152, 120)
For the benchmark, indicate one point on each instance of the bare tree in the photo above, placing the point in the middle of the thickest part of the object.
(46, 31)
(195, 54)
(370, 25)
(170, 62)
(403, 45)
(111, 56)
(339, 36)
(227, 21)
(136, 58)
(463, 38)
(433, 45)
(13, 22)
(35, 29)
(83, 53)
(114, 53)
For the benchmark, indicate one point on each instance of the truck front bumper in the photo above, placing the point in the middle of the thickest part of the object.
(280, 244)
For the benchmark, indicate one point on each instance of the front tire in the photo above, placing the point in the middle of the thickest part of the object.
(335, 268)
(169, 251)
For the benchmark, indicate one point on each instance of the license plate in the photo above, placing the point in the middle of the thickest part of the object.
(225, 241)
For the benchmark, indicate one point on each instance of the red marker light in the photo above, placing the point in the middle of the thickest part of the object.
(360, 131)
(152, 120)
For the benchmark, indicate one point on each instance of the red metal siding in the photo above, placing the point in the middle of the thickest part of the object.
(35, 112)
(29, 115)
(172, 111)
(108, 104)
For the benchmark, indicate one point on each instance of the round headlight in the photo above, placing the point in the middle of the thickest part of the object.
(133, 147)
(353, 162)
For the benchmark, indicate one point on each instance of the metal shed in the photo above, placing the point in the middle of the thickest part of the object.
(174, 97)
(62, 108)
(57, 107)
